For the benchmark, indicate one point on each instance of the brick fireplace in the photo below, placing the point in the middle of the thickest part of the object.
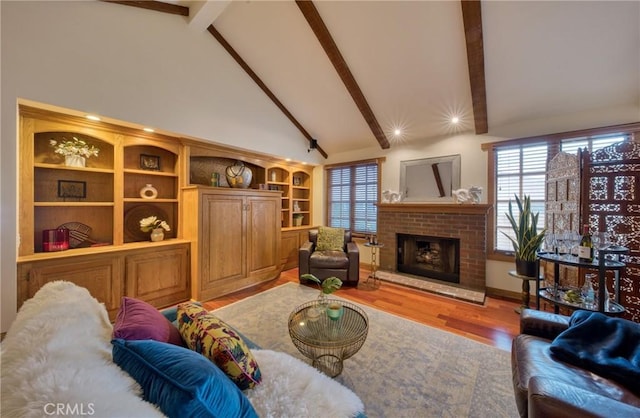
(467, 223)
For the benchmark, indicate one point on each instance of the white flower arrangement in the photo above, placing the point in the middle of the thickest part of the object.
(151, 223)
(74, 146)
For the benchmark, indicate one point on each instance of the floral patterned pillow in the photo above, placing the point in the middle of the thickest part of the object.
(208, 335)
(330, 239)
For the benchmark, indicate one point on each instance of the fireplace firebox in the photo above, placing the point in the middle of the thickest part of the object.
(431, 257)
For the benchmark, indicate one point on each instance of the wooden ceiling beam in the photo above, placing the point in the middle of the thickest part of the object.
(472, 17)
(312, 142)
(155, 5)
(310, 13)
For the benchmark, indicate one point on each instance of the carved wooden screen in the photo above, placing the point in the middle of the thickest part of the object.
(562, 207)
(611, 190)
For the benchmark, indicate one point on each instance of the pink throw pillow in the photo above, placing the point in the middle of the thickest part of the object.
(138, 320)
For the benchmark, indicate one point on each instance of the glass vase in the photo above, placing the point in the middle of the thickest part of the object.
(323, 300)
(157, 235)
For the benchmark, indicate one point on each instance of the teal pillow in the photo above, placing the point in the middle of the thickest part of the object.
(181, 382)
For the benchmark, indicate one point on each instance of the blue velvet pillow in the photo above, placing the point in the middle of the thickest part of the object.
(181, 382)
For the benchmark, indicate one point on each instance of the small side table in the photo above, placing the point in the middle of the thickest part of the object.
(325, 341)
(374, 264)
(525, 289)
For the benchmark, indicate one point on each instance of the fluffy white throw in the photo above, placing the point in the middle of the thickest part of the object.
(292, 388)
(56, 361)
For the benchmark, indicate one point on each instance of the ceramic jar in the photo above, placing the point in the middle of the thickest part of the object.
(148, 192)
(74, 160)
(157, 234)
(239, 175)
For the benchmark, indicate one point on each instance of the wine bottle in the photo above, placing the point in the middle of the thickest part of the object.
(585, 250)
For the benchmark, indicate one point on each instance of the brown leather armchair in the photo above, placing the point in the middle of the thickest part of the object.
(547, 387)
(344, 264)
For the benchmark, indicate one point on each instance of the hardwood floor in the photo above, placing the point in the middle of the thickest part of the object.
(494, 323)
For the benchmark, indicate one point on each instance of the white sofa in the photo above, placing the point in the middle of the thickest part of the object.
(57, 361)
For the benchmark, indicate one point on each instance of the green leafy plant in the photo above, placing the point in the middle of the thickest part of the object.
(328, 286)
(527, 238)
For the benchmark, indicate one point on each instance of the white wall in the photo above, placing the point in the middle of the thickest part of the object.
(128, 64)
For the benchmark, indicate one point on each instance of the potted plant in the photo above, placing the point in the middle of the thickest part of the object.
(527, 239)
(75, 151)
(333, 309)
(327, 287)
(155, 226)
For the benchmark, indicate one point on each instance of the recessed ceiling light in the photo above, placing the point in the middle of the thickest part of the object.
(455, 119)
(148, 129)
(93, 117)
(397, 132)
(287, 159)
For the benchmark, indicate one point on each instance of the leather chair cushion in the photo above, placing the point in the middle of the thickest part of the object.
(329, 259)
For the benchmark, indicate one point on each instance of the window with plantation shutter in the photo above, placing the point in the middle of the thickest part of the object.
(520, 171)
(572, 145)
(352, 194)
(519, 166)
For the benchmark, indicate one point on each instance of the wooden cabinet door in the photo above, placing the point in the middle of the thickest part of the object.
(102, 276)
(222, 243)
(290, 244)
(263, 234)
(160, 277)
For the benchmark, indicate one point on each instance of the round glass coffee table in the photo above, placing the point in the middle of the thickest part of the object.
(328, 342)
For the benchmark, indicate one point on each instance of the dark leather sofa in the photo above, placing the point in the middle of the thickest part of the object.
(546, 387)
(345, 264)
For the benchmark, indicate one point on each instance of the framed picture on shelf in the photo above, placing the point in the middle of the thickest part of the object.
(72, 189)
(149, 162)
(297, 181)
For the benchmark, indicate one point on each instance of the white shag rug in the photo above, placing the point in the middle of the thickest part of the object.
(292, 388)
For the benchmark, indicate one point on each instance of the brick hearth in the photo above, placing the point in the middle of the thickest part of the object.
(465, 222)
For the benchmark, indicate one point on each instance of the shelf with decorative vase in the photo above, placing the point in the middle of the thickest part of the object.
(150, 187)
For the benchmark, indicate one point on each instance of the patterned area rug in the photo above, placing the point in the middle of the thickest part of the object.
(404, 369)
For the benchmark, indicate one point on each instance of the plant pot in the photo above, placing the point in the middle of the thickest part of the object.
(526, 268)
(157, 235)
(74, 161)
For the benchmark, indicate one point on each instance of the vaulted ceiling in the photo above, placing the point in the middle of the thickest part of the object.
(358, 74)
